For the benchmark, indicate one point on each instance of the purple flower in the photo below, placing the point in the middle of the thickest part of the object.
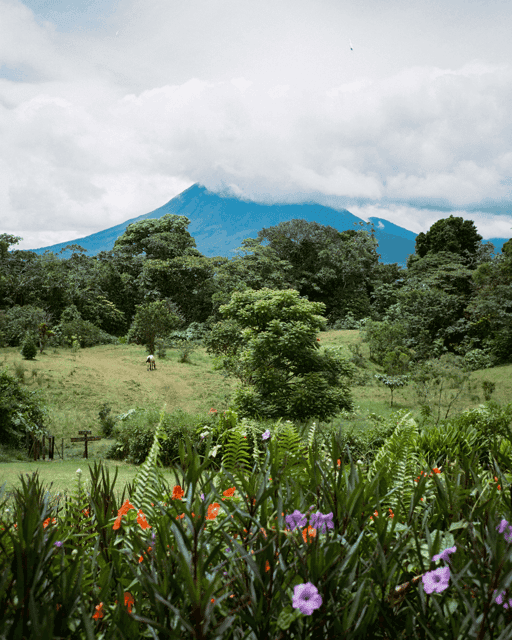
(58, 543)
(437, 580)
(320, 521)
(266, 435)
(444, 555)
(202, 496)
(499, 598)
(502, 526)
(296, 519)
(306, 598)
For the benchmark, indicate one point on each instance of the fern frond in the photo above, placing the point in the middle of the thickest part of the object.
(148, 482)
(397, 460)
(311, 435)
(236, 455)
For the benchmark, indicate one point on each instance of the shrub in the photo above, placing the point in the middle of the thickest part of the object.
(106, 420)
(21, 412)
(28, 348)
(18, 321)
(477, 359)
(135, 430)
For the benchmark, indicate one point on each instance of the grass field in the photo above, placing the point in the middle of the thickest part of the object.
(75, 386)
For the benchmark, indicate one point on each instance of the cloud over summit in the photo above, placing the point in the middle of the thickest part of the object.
(268, 100)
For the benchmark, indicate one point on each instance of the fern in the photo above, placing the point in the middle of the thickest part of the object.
(311, 435)
(148, 482)
(236, 455)
(397, 460)
(289, 446)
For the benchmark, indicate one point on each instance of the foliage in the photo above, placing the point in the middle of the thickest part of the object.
(219, 555)
(477, 359)
(439, 383)
(396, 462)
(106, 420)
(20, 412)
(152, 320)
(134, 434)
(278, 363)
(452, 234)
(383, 337)
(328, 266)
(17, 321)
(392, 382)
(28, 348)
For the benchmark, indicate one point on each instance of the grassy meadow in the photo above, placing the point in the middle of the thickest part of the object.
(74, 386)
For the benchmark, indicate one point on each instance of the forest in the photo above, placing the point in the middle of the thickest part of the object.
(454, 296)
(284, 520)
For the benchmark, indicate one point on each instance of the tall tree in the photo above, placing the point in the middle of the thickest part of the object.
(153, 320)
(452, 234)
(328, 266)
(162, 238)
(276, 357)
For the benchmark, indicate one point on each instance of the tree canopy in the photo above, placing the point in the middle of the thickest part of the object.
(276, 355)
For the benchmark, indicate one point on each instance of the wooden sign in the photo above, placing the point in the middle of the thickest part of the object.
(85, 439)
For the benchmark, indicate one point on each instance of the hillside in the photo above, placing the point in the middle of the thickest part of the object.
(220, 223)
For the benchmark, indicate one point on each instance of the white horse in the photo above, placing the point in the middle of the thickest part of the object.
(151, 361)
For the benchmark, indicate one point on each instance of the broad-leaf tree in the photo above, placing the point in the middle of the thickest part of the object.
(328, 266)
(153, 320)
(282, 371)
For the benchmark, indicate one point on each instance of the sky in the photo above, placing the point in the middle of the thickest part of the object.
(396, 109)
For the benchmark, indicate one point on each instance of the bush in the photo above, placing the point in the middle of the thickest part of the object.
(87, 334)
(477, 359)
(21, 412)
(135, 430)
(17, 321)
(28, 348)
(106, 420)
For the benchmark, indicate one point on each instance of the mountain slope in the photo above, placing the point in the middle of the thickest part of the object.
(220, 223)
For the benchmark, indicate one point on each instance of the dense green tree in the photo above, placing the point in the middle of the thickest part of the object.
(162, 238)
(328, 266)
(255, 266)
(281, 370)
(153, 320)
(21, 412)
(490, 309)
(386, 281)
(18, 321)
(452, 234)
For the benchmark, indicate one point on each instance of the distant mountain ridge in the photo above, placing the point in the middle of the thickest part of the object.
(219, 223)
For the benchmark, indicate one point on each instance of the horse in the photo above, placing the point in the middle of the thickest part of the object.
(151, 361)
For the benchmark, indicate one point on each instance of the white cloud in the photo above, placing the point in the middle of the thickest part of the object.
(268, 101)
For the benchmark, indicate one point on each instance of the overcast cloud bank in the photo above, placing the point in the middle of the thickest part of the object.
(266, 101)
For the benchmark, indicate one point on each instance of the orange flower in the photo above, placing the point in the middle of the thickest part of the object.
(86, 512)
(180, 517)
(177, 493)
(125, 508)
(122, 512)
(436, 470)
(99, 611)
(496, 480)
(47, 522)
(128, 600)
(141, 519)
(391, 514)
(229, 492)
(213, 511)
(263, 532)
(339, 462)
(267, 566)
(307, 533)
